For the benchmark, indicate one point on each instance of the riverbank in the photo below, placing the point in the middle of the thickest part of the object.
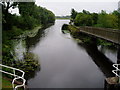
(33, 32)
(30, 62)
(75, 32)
(6, 83)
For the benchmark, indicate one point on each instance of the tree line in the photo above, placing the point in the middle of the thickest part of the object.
(31, 15)
(14, 25)
(102, 19)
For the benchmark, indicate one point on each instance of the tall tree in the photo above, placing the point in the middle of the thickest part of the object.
(6, 16)
(83, 20)
(95, 18)
(73, 14)
(26, 8)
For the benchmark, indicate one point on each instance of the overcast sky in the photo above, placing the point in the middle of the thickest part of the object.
(77, 0)
(63, 7)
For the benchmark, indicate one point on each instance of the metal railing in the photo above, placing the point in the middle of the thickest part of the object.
(117, 71)
(15, 76)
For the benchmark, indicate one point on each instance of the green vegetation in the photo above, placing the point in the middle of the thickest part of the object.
(85, 18)
(29, 65)
(31, 15)
(65, 27)
(73, 14)
(14, 26)
(6, 83)
(83, 38)
(102, 19)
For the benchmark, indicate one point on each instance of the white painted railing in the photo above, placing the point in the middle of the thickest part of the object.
(15, 76)
(117, 71)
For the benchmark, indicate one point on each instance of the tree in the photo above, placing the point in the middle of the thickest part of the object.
(86, 12)
(94, 18)
(31, 15)
(7, 5)
(6, 16)
(26, 8)
(83, 20)
(107, 20)
(73, 14)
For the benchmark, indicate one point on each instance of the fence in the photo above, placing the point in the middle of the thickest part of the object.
(117, 71)
(15, 76)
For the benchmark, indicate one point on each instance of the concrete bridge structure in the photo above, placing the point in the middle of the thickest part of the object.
(103, 33)
(108, 34)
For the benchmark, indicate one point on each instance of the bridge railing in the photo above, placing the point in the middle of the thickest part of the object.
(117, 71)
(15, 75)
(105, 33)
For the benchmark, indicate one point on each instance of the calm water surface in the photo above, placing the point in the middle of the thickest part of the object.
(66, 64)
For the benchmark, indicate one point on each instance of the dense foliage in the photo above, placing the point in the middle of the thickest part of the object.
(102, 19)
(14, 25)
(31, 15)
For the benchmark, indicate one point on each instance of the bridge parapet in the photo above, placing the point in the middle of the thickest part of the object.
(104, 33)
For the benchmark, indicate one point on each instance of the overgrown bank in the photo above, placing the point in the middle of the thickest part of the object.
(83, 38)
(32, 18)
(86, 18)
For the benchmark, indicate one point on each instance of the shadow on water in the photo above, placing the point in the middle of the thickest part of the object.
(111, 49)
(104, 63)
(98, 56)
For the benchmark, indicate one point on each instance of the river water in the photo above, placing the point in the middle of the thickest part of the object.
(67, 64)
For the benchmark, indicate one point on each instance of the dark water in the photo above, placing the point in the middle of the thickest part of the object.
(67, 64)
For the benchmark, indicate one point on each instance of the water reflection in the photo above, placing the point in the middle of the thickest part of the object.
(25, 60)
(104, 63)
(110, 52)
(19, 49)
(98, 54)
(32, 41)
(65, 64)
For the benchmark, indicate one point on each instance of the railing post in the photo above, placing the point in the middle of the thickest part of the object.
(118, 61)
(0, 44)
(14, 72)
(15, 76)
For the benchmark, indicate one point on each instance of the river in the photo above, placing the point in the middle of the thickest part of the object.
(67, 64)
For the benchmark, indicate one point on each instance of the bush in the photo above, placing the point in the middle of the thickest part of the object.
(65, 27)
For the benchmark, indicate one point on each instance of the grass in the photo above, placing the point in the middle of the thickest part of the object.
(6, 83)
